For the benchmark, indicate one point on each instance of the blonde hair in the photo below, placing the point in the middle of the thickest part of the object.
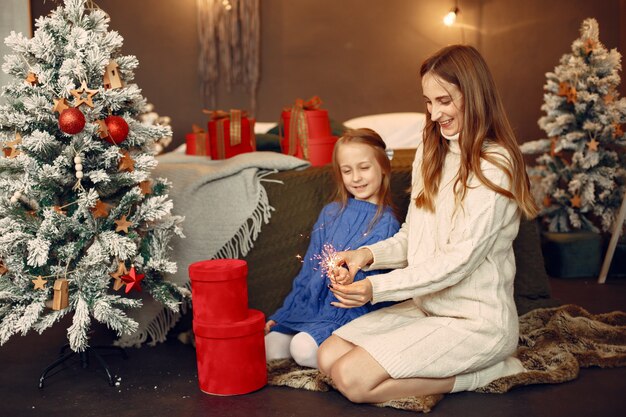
(484, 122)
(372, 139)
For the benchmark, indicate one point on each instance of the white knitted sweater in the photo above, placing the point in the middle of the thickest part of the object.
(458, 267)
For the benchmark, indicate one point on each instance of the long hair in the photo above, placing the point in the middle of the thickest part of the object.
(372, 139)
(484, 123)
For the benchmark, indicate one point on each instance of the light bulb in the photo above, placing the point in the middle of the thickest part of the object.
(450, 18)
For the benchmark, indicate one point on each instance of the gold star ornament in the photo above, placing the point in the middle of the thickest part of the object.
(40, 283)
(126, 162)
(84, 95)
(60, 104)
(593, 145)
(101, 209)
(145, 187)
(32, 79)
(122, 224)
(575, 201)
(117, 276)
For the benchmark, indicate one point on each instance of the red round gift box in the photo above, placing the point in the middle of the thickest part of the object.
(231, 356)
(320, 140)
(219, 290)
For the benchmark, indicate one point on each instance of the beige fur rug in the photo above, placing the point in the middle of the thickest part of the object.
(554, 344)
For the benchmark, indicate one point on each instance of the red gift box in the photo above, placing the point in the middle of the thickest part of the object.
(197, 142)
(307, 132)
(219, 290)
(231, 356)
(230, 133)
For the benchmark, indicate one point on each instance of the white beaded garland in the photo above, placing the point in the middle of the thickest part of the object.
(79, 174)
(78, 160)
(78, 167)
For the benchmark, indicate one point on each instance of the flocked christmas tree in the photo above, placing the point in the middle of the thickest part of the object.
(580, 178)
(81, 221)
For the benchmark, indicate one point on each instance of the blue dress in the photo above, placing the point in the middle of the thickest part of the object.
(307, 308)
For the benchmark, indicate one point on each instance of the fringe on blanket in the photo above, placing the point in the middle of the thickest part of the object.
(243, 241)
(156, 331)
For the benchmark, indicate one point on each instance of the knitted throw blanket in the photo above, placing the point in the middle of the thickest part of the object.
(224, 204)
(554, 344)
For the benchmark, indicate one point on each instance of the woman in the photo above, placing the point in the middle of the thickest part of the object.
(453, 256)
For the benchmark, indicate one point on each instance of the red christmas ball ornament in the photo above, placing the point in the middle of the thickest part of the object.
(118, 129)
(71, 121)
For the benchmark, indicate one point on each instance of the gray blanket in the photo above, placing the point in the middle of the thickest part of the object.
(224, 204)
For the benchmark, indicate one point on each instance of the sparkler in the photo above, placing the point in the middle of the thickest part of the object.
(328, 260)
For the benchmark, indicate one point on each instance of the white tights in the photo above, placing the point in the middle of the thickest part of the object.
(301, 347)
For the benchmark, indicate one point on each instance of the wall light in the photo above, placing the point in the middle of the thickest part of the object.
(450, 18)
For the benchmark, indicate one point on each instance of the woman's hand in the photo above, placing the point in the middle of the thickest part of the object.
(354, 260)
(353, 295)
(269, 325)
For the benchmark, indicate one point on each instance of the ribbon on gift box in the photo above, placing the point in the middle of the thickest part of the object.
(298, 128)
(199, 140)
(234, 115)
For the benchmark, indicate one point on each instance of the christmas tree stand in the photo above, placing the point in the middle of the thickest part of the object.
(84, 360)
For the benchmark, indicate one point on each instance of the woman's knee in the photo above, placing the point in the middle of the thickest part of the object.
(328, 353)
(349, 382)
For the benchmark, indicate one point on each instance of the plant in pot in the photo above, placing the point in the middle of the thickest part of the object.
(579, 179)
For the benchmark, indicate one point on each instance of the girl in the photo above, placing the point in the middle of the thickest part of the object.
(360, 215)
(458, 328)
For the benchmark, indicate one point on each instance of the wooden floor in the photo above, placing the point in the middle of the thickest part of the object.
(162, 381)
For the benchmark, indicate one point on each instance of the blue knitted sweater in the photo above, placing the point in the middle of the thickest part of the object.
(307, 308)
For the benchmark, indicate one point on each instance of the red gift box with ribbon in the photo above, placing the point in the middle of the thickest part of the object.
(197, 142)
(230, 133)
(307, 132)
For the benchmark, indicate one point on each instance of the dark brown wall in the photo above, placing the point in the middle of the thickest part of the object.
(359, 56)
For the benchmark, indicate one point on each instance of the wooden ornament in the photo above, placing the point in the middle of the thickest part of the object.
(590, 44)
(553, 141)
(609, 98)
(617, 132)
(40, 283)
(571, 95)
(103, 131)
(593, 145)
(60, 299)
(576, 201)
(563, 88)
(10, 148)
(126, 162)
(83, 95)
(111, 77)
(547, 201)
(58, 209)
(145, 187)
(32, 79)
(60, 104)
(117, 275)
(122, 224)
(3, 268)
(101, 209)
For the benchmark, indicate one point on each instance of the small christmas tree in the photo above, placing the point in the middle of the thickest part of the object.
(80, 218)
(580, 178)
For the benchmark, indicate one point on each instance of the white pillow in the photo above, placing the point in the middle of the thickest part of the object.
(398, 130)
(263, 127)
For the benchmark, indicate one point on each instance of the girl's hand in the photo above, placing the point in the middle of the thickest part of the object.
(342, 276)
(354, 260)
(269, 325)
(353, 295)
